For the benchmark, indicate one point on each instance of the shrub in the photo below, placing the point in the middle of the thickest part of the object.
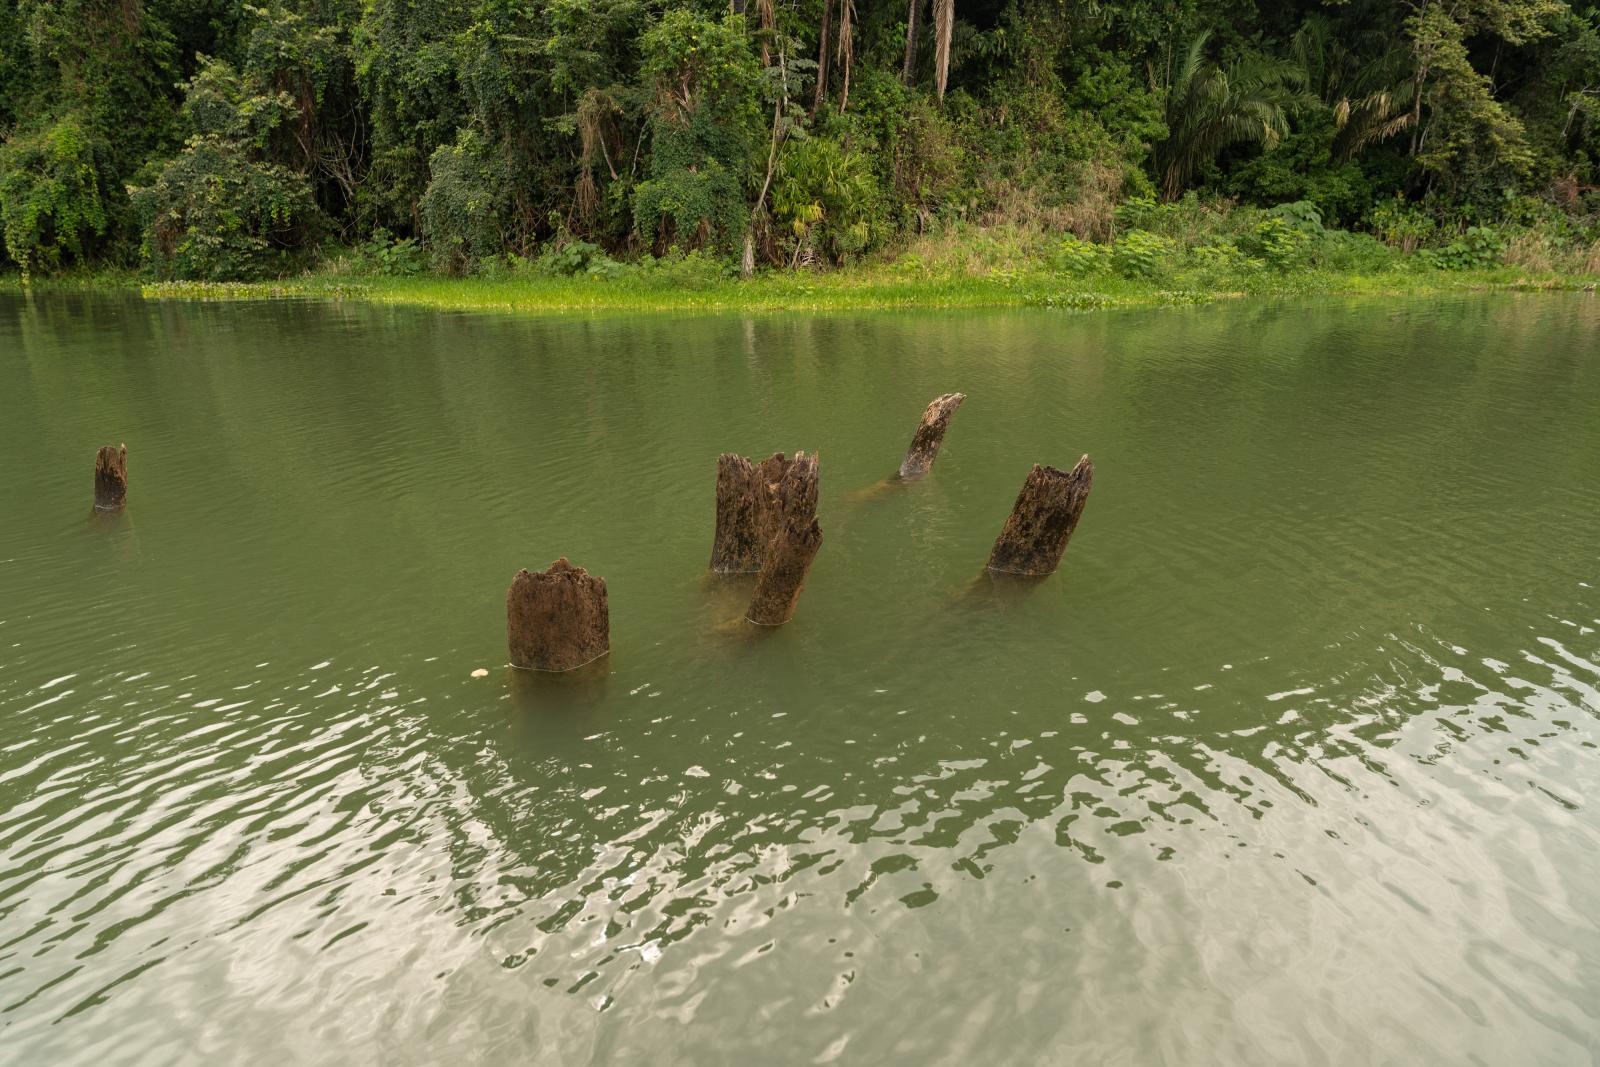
(1141, 254)
(566, 257)
(695, 269)
(1357, 252)
(465, 203)
(1400, 223)
(1223, 259)
(384, 255)
(1281, 243)
(54, 195)
(214, 215)
(1078, 257)
(827, 196)
(1479, 248)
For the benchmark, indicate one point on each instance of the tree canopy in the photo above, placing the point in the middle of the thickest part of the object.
(204, 139)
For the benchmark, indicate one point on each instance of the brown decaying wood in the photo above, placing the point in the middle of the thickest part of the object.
(111, 478)
(783, 574)
(1042, 521)
(557, 619)
(930, 434)
(753, 501)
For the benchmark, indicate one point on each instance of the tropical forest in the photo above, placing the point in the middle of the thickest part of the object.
(1195, 142)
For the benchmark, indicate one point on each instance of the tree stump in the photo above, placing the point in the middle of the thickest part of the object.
(1042, 521)
(930, 434)
(557, 619)
(788, 560)
(111, 478)
(754, 500)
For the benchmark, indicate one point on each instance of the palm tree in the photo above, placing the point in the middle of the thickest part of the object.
(1210, 107)
(944, 20)
(1371, 99)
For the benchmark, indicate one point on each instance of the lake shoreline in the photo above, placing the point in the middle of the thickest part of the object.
(868, 288)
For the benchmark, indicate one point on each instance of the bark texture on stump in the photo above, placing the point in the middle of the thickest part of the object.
(557, 619)
(930, 434)
(111, 478)
(754, 500)
(788, 559)
(1042, 521)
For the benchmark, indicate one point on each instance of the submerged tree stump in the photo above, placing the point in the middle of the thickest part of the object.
(788, 560)
(557, 619)
(1042, 521)
(754, 500)
(111, 478)
(930, 435)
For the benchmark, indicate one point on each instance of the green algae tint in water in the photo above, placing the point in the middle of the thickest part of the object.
(1292, 762)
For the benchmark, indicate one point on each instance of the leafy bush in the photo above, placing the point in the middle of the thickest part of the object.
(465, 203)
(1223, 259)
(566, 257)
(1401, 223)
(1479, 248)
(1079, 257)
(1281, 243)
(384, 255)
(55, 201)
(214, 215)
(1141, 254)
(1356, 252)
(1139, 212)
(695, 269)
(827, 197)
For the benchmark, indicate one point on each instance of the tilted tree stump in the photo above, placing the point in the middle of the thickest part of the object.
(111, 478)
(789, 557)
(557, 619)
(930, 435)
(1041, 523)
(752, 506)
(791, 544)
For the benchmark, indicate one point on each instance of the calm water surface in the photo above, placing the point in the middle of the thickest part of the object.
(1293, 762)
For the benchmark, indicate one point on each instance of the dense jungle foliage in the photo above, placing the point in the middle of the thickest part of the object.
(201, 139)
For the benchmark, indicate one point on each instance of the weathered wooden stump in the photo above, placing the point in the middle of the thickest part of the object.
(930, 435)
(557, 619)
(111, 478)
(1042, 521)
(753, 501)
(788, 560)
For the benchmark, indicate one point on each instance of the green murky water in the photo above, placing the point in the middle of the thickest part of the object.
(1293, 761)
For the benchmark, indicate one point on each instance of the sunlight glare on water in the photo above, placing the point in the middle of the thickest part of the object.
(1289, 763)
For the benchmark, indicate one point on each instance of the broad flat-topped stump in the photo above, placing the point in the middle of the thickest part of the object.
(1042, 521)
(111, 478)
(557, 619)
(930, 435)
(754, 501)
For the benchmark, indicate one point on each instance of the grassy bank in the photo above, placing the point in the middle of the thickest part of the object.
(858, 290)
(977, 270)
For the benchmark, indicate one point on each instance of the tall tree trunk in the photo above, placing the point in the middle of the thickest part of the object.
(913, 9)
(822, 57)
(768, 24)
(944, 18)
